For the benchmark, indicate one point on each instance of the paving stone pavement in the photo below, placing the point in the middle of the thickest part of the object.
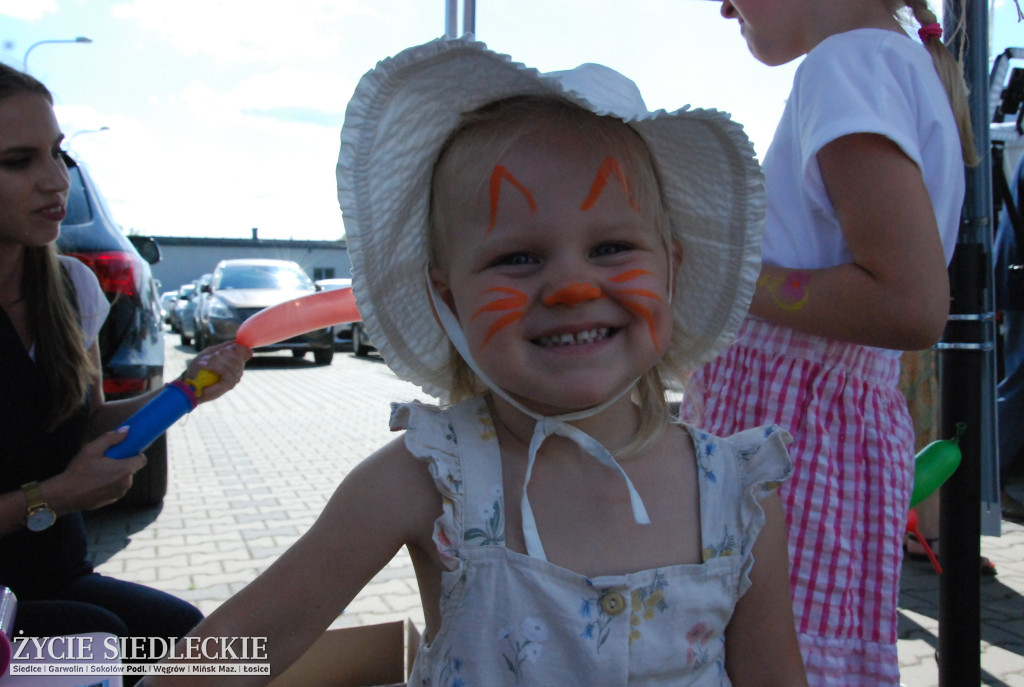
(250, 473)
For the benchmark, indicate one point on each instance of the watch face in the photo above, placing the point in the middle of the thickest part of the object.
(40, 519)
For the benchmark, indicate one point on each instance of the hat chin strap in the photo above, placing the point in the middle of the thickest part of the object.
(544, 428)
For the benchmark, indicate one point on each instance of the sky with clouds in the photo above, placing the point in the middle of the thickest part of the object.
(224, 115)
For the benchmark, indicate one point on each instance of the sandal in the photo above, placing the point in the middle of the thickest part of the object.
(1011, 506)
(987, 569)
(921, 556)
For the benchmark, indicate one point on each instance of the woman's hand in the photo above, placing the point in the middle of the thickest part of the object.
(227, 361)
(92, 480)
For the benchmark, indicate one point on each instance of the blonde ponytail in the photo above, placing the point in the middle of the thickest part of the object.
(951, 74)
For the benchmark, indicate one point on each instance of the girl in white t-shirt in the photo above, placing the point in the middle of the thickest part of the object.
(865, 184)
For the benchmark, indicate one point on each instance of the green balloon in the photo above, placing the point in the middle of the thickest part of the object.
(934, 465)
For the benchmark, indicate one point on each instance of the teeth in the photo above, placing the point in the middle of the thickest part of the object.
(589, 336)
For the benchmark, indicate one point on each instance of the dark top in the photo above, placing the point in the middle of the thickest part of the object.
(35, 564)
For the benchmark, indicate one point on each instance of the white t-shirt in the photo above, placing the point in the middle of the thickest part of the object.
(92, 303)
(863, 81)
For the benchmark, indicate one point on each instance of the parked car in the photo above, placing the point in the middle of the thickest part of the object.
(361, 344)
(131, 341)
(342, 332)
(184, 292)
(198, 298)
(187, 314)
(241, 288)
(168, 300)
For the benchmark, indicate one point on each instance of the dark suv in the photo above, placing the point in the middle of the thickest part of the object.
(132, 340)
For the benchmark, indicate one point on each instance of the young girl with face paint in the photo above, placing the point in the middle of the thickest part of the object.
(547, 272)
(865, 182)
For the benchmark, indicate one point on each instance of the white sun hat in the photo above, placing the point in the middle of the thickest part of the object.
(403, 110)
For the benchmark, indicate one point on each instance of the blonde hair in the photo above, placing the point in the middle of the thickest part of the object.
(463, 168)
(950, 72)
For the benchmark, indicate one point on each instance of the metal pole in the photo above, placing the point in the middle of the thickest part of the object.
(77, 39)
(469, 16)
(451, 18)
(967, 356)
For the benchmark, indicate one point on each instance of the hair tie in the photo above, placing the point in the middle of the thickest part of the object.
(928, 30)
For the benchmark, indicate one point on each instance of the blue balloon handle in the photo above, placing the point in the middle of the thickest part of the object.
(153, 419)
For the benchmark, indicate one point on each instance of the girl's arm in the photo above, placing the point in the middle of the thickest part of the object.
(227, 360)
(388, 501)
(895, 293)
(761, 648)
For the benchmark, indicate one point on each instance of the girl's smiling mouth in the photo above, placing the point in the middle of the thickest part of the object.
(586, 336)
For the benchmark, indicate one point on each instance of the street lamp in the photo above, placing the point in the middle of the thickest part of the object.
(77, 39)
(85, 131)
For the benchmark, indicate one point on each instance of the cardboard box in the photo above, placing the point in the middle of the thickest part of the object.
(364, 656)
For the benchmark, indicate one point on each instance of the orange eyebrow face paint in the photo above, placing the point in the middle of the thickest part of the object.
(609, 167)
(500, 174)
(516, 301)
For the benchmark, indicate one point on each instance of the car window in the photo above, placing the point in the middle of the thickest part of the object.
(78, 209)
(262, 277)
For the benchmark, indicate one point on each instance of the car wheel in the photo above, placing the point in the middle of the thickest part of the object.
(200, 340)
(359, 345)
(323, 356)
(298, 353)
(186, 340)
(149, 485)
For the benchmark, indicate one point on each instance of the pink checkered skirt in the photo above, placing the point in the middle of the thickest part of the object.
(847, 501)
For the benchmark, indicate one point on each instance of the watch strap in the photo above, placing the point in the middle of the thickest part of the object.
(34, 495)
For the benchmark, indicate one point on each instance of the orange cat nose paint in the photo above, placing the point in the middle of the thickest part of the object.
(574, 294)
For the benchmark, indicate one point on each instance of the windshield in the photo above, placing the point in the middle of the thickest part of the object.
(263, 277)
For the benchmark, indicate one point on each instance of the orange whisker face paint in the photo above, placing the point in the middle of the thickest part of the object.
(609, 167)
(630, 275)
(501, 323)
(574, 294)
(500, 174)
(516, 300)
(645, 293)
(644, 312)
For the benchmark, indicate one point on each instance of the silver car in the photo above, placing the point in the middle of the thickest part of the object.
(241, 288)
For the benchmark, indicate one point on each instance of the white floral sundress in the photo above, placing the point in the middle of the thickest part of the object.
(510, 619)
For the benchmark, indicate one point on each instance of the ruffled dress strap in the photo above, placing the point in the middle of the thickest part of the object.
(470, 488)
(735, 473)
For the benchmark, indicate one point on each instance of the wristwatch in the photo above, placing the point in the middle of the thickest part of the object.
(40, 515)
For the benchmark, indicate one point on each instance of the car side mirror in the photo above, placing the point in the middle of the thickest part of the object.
(148, 248)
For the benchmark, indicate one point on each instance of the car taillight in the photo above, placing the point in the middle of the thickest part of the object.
(117, 271)
(114, 387)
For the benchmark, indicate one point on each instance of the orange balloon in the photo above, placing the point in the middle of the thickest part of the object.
(298, 316)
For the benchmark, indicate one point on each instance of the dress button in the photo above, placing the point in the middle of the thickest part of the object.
(613, 603)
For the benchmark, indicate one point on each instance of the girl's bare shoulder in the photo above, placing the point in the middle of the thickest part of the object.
(395, 484)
